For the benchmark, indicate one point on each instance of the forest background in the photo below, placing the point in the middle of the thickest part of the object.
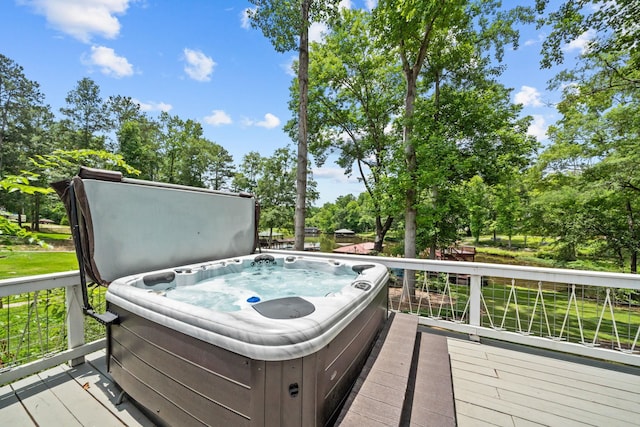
(461, 162)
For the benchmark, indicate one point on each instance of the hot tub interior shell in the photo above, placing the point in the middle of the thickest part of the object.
(124, 227)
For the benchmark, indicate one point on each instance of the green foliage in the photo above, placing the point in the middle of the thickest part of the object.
(63, 163)
(23, 183)
(282, 21)
(10, 230)
(87, 117)
(591, 166)
(272, 180)
(354, 95)
(478, 203)
(457, 121)
(612, 26)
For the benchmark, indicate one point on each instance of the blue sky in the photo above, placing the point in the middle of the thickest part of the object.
(200, 60)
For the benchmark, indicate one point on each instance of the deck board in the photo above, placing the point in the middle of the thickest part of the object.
(13, 413)
(493, 382)
(492, 385)
(86, 409)
(42, 404)
(93, 377)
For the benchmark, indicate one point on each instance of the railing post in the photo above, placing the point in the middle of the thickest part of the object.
(75, 321)
(475, 292)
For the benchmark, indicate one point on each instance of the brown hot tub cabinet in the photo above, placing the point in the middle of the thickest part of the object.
(274, 355)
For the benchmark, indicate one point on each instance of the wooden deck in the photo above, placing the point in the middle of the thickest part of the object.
(493, 385)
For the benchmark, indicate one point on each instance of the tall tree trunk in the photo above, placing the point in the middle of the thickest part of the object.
(411, 197)
(35, 222)
(301, 172)
(633, 262)
(381, 232)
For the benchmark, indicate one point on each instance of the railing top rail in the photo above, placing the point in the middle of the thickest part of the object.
(542, 274)
(19, 285)
(24, 284)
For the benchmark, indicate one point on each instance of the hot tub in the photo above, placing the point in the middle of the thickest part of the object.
(229, 337)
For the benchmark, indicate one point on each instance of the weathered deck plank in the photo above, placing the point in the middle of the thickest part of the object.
(493, 386)
(101, 387)
(41, 403)
(86, 410)
(515, 388)
(382, 386)
(433, 401)
(590, 382)
(13, 413)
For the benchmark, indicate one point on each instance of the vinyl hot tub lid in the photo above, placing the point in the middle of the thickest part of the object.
(125, 226)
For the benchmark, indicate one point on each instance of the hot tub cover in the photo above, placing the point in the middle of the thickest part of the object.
(126, 226)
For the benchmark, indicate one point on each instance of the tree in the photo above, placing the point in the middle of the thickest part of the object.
(221, 168)
(286, 25)
(246, 178)
(25, 131)
(275, 189)
(508, 208)
(348, 212)
(179, 148)
(420, 31)
(326, 218)
(138, 144)
(122, 109)
(595, 143)
(478, 201)
(409, 29)
(430, 38)
(355, 93)
(20, 98)
(610, 25)
(87, 116)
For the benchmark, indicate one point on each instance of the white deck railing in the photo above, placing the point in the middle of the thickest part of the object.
(573, 311)
(42, 324)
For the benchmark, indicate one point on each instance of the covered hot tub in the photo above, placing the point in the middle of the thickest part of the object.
(202, 330)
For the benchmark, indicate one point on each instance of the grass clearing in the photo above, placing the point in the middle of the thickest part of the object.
(19, 264)
(512, 309)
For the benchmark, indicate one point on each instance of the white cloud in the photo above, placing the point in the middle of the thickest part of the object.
(317, 31)
(245, 22)
(218, 118)
(153, 106)
(537, 40)
(199, 66)
(581, 43)
(345, 4)
(528, 96)
(82, 19)
(109, 62)
(334, 174)
(538, 127)
(288, 67)
(270, 121)
(371, 4)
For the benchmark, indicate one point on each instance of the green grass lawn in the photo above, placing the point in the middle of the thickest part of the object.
(18, 264)
(29, 333)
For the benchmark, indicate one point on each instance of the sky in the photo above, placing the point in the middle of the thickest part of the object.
(201, 60)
